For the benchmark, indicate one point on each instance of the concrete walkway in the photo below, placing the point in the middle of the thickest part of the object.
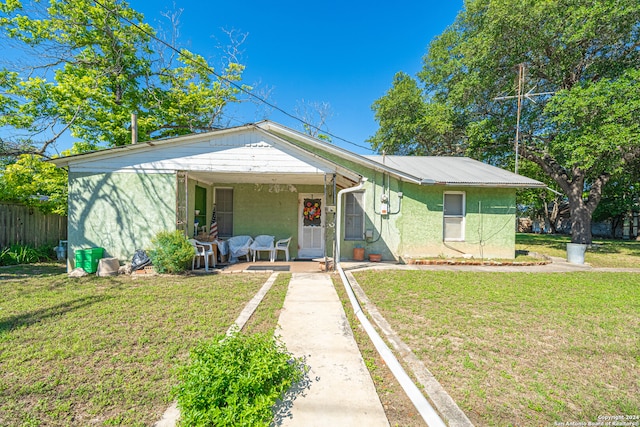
(339, 390)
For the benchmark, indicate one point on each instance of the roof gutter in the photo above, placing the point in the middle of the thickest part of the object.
(489, 185)
(428, 181)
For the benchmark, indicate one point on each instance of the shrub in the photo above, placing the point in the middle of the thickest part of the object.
(171, 252)
(25, 254)
(235, 380)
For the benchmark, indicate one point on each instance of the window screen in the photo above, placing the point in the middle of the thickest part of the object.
(354, 217)
(224, 211)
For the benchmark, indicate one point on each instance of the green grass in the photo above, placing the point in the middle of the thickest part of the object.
(102, 351)
(265, 318)
(517, 348)
(603, 252)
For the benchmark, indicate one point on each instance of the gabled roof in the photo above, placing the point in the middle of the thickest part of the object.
(460, 171)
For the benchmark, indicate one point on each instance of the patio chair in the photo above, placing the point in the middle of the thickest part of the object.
(212, 250)
(260, 244)
(202, 250)
(282, 245)
(239, 246)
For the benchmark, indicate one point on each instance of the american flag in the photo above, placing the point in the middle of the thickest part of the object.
(213, 228)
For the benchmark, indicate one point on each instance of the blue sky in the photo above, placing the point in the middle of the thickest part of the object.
(341, 52)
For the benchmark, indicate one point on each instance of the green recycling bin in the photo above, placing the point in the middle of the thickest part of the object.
(88, 259)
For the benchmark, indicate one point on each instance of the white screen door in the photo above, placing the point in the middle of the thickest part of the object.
(311, 229)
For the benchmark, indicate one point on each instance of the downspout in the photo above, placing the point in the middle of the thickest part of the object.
(339, 215)
(429, 415)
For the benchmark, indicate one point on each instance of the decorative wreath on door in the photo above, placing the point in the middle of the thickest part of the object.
(312, 212)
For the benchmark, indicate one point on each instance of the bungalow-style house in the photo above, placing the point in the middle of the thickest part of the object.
(265, 178)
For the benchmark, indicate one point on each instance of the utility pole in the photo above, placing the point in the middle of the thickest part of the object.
(520, 83)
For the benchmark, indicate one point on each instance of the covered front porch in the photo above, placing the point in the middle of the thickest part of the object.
(298, 206)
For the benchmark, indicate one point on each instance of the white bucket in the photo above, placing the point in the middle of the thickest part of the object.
(575, 252)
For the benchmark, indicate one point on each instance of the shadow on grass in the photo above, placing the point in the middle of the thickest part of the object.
(557, 241)
(616, 247)
(27, 319)
(21, 271)
(282, 408)
(554, 240)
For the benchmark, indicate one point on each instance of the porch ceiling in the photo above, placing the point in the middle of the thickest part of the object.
(212, 178)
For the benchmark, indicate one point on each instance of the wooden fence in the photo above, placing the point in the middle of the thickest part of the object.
(24, 225)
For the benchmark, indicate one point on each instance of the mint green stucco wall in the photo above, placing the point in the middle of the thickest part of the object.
(414, 226)
(119, 212)
(489, 223)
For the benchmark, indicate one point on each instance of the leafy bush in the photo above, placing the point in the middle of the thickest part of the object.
(171, 252)
(235, 381)
(25, 254)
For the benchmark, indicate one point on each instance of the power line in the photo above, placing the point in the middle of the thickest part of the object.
(237, 86)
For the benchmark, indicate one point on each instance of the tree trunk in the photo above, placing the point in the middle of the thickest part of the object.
(573, 184)
(580, 222)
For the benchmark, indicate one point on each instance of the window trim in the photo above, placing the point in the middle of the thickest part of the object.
(361, 214)
(462, 217)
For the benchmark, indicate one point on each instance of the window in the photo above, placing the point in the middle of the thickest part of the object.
(354, 217)
(224, 211)
(454, 212)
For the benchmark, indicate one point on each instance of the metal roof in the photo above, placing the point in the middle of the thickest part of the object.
(454, 171)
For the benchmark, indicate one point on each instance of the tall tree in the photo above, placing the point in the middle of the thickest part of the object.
(85, 66)
(35, 183)
(584, 55)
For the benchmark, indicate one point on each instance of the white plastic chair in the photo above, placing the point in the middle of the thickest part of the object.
(239, 246)
(281, 245)
(212, 253)
(260, 244)
(202, 250)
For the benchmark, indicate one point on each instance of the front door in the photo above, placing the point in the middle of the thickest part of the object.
(311, 229)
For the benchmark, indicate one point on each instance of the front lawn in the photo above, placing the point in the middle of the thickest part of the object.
(603, 252)
(102, 351)
(518, 348)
